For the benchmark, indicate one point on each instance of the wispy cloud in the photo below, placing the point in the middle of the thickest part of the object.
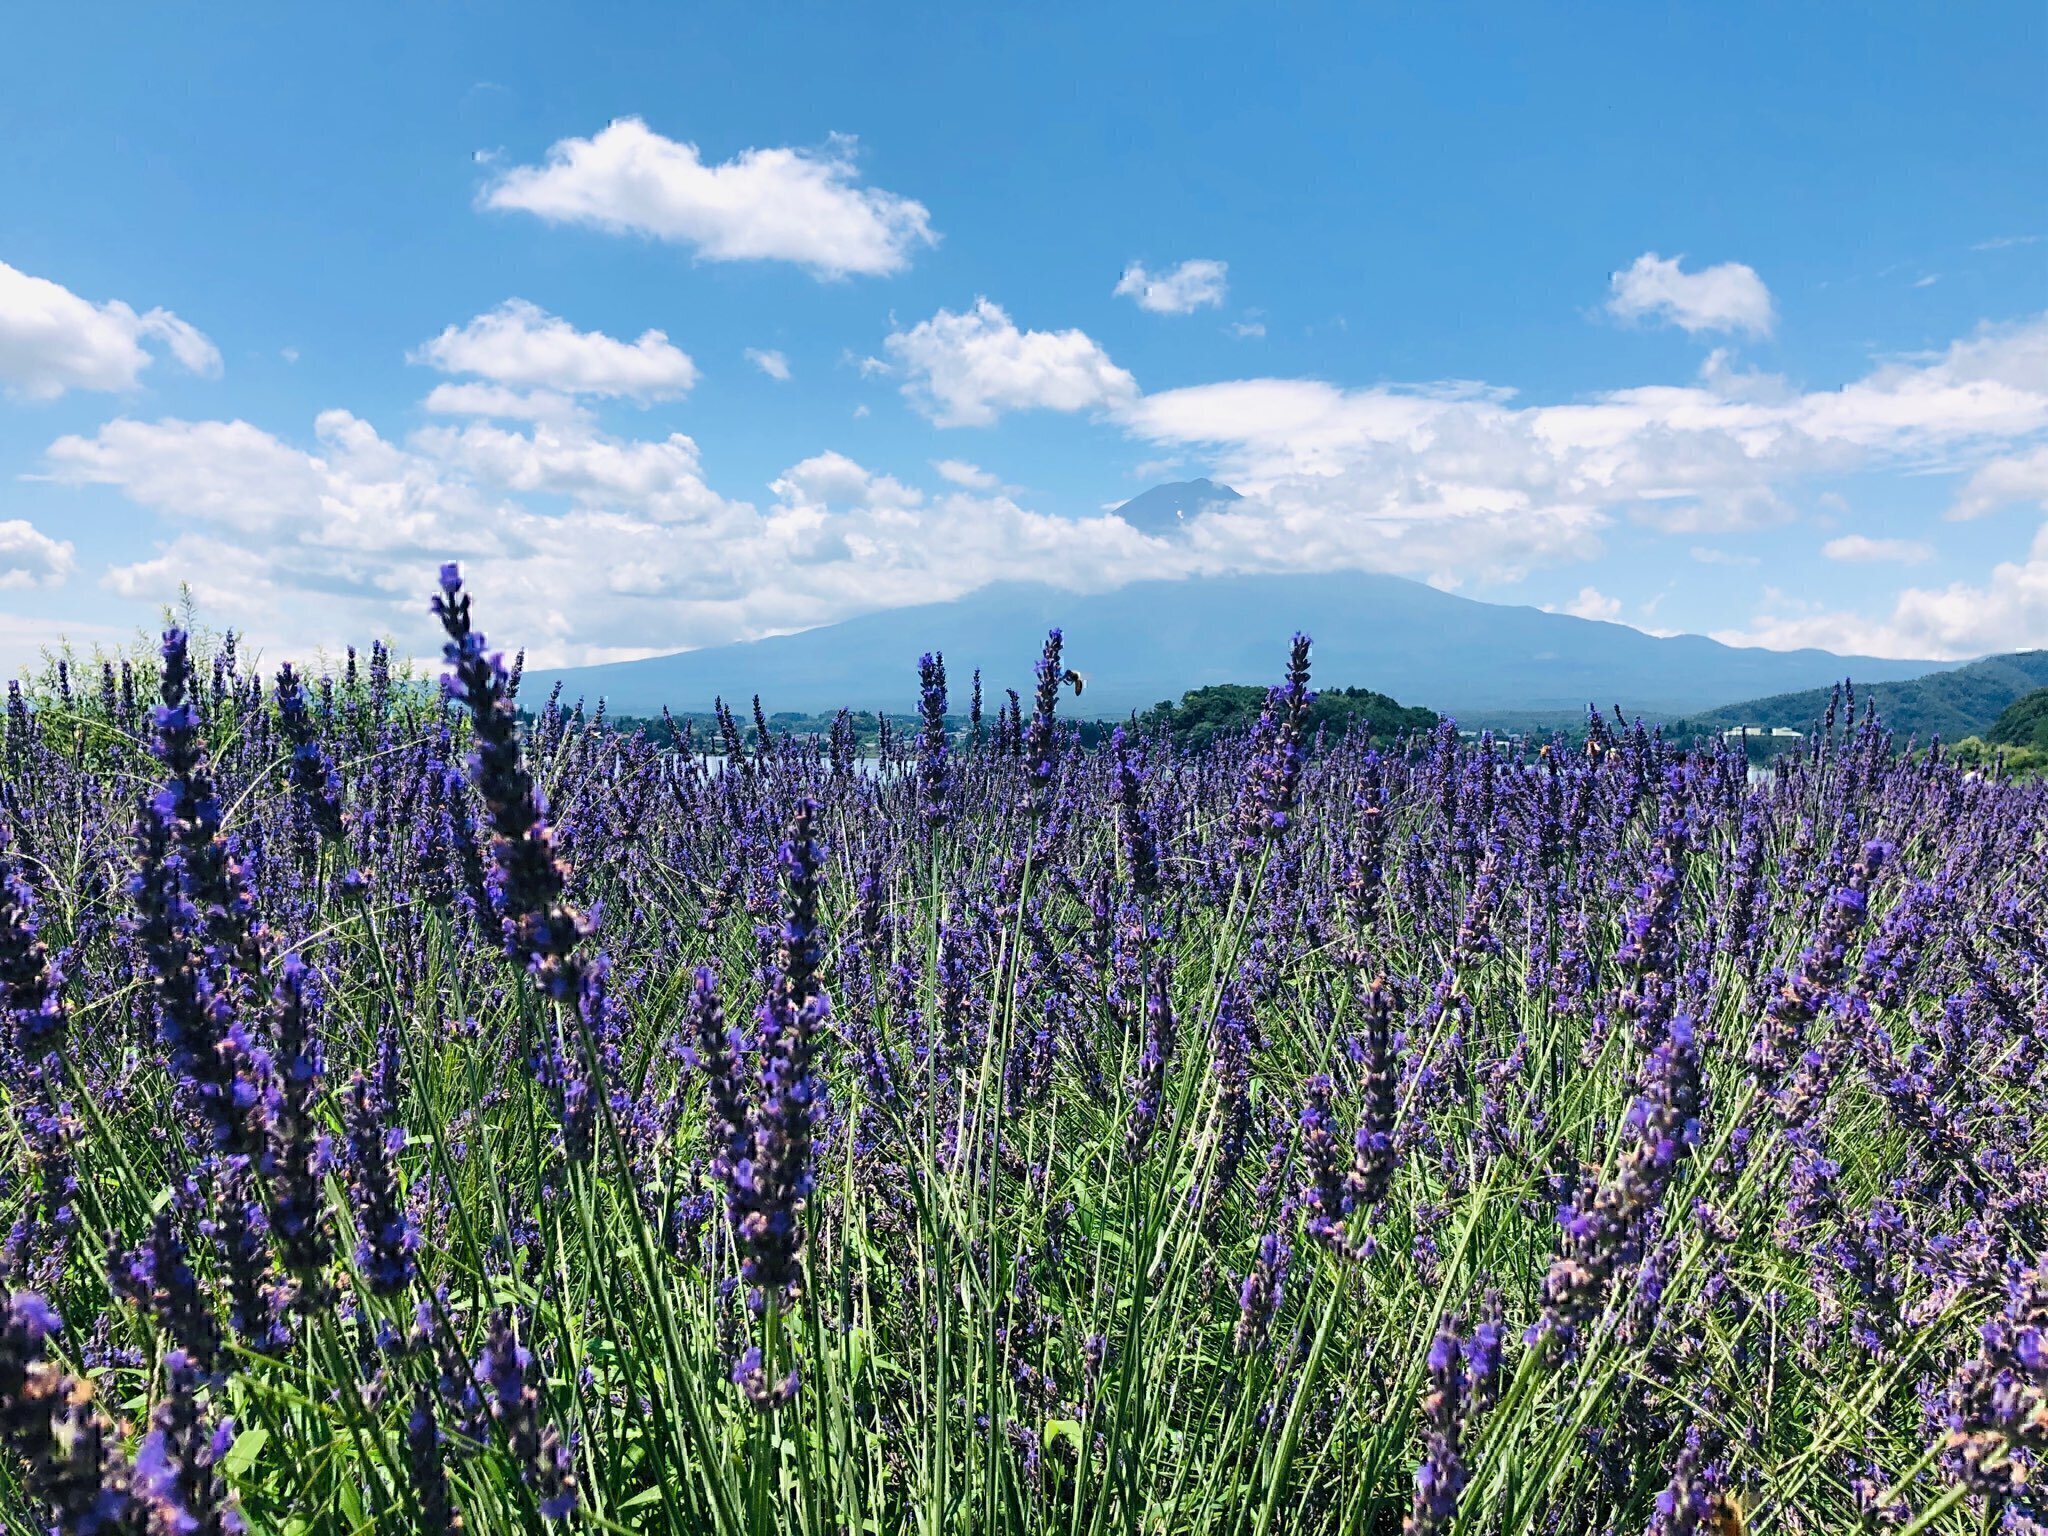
(1857, 548)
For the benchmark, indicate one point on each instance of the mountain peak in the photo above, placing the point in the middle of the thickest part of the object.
(1166, 508)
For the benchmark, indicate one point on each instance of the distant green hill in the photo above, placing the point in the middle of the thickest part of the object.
(1965, 701)
(1229, 709)
(2025, 724)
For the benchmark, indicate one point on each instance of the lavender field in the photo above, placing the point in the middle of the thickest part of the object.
(419, 1119)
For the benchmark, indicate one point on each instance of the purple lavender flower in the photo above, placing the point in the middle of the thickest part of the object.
(1273, 777)
(1996, 1407)
(1328, 1196)
(34, 1031)
(31, 1000)
(157, 1278)
(505, 1372)
(1441, 1478)
(69, 1456)
(527, 881)
(1230, 1065)
(192, 923)
(1038, 743)
(385, 1239)
(1603, 1236)
(1798, 1002)
(1136, 826)
(177, 1468)
(1692, 1503)
(770, 1186)
(1373, 1156)
(714, 1050)
(296, 1152)
(934, 766)
(313, 774)
(1265, 1287)
(426, 1465)
(1155, 1057)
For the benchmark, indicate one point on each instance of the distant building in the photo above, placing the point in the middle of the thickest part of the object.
(1764, 739)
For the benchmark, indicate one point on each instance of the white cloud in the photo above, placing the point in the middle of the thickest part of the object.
(1591, 603)
(1860, 549)
(662, 479)
(30, 558)
(1179, 291)
(774, 364)
(496, 400)
(609, 544)
(51, 340)
(225, 472)
(2006, 612)
(2004, 482)
(521, 346)
(972, 476)
(1705, 555)
(1458, 481)
(832, 479)
(967, 369)
(308, 546)
(796, 205)
(1247, 330)
(1728, 297)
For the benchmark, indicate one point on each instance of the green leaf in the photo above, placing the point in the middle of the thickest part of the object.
(1067, 1429)
(243, 1453)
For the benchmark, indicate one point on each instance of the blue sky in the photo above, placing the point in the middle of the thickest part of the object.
(1726, 319)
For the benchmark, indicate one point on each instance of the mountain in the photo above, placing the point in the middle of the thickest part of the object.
(1155, 640)
(2024, 723)
(1164, 508)
(1953, 703)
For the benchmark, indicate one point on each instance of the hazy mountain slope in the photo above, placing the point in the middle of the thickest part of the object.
(1155, 640)
(1953, 703)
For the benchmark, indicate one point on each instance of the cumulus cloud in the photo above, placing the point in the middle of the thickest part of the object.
(51, 340)
(962, 473)
(965, 370)
(1179, 290)
(2003, 483)
(496, 400)
(1398, 478)
(31, 558)
(832, 479)
(615, 544)
(796, 205)
(2008, 611)
(1591, 603)
(226, 472)
(1860, 549)
(774, 364)
(1728, 297)
(521, 346)
(635, 553)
